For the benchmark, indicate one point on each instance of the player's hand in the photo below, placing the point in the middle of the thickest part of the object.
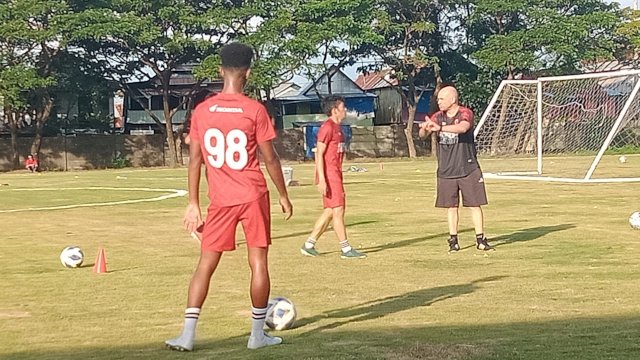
(286, 206)
(433, 126)
(322, 187)
(423, 125)
(192, 217)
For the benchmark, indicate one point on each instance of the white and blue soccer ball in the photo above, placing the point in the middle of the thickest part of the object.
(634, 220)
(281, 314)
(71, 257)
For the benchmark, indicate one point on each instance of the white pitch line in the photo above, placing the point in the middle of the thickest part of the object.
(173, 193)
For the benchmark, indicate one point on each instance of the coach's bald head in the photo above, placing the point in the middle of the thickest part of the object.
(447, 97)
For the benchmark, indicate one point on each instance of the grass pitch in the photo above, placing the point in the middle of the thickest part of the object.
(562, 284)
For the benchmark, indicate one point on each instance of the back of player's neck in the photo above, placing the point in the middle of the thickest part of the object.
(334, 120)
(233, 86)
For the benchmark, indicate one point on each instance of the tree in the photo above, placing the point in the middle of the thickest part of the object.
(408, 49)
(334, 34)
(144, 39)
(629, 31)
(525, 36)
(541, 37)
(28, 48)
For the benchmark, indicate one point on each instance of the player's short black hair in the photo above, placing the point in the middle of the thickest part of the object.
(236, 56)
(330, 102)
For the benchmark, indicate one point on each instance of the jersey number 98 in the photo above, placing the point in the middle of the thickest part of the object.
(230, 149)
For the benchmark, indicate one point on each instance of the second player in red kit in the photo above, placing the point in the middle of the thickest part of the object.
(330, 151)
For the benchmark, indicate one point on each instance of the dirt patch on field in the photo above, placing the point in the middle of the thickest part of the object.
(437, 352)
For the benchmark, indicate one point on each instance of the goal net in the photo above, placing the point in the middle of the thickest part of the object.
(584, 127)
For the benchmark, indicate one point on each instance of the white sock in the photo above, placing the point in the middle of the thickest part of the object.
(310, 243)
(191, 316)
(257, 324)
(344, 245)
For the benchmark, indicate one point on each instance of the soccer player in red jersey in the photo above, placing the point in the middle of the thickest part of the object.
(226, 132)
(329, 154)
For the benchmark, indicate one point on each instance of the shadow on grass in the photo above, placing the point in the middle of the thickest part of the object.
(305, 233)
(382, 307)
(528, 234)
(586, 338)
(412, 241)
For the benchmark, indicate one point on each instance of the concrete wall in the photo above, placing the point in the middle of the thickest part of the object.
(97, 151)
(385, 141)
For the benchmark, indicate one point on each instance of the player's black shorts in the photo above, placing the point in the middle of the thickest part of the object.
(471, 187)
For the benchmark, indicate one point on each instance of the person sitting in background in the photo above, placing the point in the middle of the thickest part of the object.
(31, 164)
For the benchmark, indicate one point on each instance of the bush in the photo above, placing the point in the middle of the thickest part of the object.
(119, 161)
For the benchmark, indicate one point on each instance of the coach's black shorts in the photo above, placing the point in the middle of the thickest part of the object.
(471, 187)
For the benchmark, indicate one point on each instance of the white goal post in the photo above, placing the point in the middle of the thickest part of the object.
(563, 126)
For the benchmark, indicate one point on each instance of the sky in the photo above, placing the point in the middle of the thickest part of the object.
(623, 3)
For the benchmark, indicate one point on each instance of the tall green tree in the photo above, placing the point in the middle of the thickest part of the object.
(550, 36)
(29, 47)
(334, 34)
(144, 39)
(409, 49)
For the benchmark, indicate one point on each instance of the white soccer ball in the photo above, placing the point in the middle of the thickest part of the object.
(281, 314)
(71, 257)
(622, 159)
(634, 220)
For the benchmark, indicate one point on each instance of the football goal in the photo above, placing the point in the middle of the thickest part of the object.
(566, 128)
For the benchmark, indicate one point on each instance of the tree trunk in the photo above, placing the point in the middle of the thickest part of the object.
(171, 142)
(179, 143)
(13, 127)
(408, 131)
(43, 111)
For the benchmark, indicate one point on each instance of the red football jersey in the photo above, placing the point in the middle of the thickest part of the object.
(229, 128)
(330, 134)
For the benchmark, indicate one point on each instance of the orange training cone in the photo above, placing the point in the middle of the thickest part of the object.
(100, 267)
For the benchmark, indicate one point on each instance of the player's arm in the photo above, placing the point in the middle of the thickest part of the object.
(193, 216)
(459, 128)
(274, 168)
(466, 121)
(321, 149)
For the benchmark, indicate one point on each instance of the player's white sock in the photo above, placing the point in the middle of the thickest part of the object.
(344, 245)
(310, 243)
(185, 341)
(258, 315)
(258, 337)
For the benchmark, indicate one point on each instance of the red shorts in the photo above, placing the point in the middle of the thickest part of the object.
(335, 196)
(220, 227)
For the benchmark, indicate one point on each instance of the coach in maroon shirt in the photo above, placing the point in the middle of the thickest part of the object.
(458, 168)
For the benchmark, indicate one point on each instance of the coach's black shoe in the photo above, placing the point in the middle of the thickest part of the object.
(484, 245)
(453, 245)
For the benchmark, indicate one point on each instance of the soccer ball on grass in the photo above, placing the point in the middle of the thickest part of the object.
(281, 314)
(71, 257)
(634, 220)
